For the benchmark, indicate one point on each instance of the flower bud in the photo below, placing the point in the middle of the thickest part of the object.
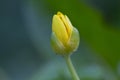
(65, 37)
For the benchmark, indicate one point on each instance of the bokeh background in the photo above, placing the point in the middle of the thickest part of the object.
(25, 30)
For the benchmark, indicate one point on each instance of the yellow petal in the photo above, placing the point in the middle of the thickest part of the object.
(69, 26)
(59, 28)
(66, 23)
(65, 37)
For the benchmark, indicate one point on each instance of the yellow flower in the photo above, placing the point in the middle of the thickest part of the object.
(65, 37)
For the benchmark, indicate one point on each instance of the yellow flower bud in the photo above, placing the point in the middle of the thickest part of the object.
(65, 37)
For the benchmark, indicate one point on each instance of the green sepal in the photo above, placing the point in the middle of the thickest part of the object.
(74, 40)
(71, 46)
(57, 46)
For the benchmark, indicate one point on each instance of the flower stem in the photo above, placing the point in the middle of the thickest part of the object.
(71, 68)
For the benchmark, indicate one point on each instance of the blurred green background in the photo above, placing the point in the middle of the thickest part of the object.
(25, 30)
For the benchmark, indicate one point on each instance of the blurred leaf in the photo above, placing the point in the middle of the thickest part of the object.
(92, 28)
(54, 70)
(57, 70)
(102, 37)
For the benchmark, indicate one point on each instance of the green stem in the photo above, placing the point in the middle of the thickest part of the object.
(71, 68)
